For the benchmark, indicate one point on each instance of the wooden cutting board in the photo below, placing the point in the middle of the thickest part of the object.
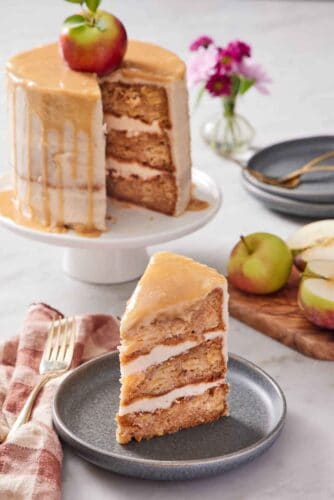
(279, 317)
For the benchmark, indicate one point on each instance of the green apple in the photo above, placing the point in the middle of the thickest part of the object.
(316, 293)
(260, 263)
(313, 241)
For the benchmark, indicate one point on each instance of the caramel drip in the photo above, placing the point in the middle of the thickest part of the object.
(46, 201)
(28, 145)
(14, 151)
(196, 205)
(8, 209)
(60, 215)
(90, 182)
(74, 157)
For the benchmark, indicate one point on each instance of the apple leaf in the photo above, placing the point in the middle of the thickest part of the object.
(93, 5)
(75, 21)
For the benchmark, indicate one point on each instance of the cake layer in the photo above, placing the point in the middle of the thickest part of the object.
(148, 149)
(184, 412)
(203, 363)
(147, 103)
(158, 193)
(61, 207)
(187, 323)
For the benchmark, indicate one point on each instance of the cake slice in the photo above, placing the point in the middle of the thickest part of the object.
(173, 352)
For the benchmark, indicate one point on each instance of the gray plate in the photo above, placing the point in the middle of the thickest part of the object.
(87, 401)
(288, 206)
(282, 158)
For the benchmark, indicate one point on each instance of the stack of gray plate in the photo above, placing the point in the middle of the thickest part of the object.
(313, 198)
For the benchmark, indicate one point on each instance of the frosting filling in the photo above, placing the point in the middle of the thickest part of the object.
(162, 353)
(166, 400)
(125, 169)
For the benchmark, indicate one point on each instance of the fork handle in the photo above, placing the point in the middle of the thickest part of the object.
(25, 413)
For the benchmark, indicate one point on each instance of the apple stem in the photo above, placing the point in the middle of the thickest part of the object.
(243, 239)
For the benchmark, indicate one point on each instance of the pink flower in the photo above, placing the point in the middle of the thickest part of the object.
(219, 85)
(202, 41)
(202, 65)
(256, 73)
(238, 50)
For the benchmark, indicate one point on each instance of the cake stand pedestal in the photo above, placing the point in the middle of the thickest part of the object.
(99, 266)
(120, 254)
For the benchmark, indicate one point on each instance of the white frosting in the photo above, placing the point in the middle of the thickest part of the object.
(179, 137)
(161, 353)
(166, 400)
(127, 169)
(130, 124)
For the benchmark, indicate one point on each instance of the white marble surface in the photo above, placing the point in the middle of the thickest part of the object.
(294, 41)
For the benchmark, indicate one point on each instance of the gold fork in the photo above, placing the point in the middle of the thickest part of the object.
(56, 360)
(293, 179)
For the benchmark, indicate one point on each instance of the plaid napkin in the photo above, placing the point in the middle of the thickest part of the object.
(30, 463)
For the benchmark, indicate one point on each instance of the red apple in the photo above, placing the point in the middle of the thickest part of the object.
(93, 41)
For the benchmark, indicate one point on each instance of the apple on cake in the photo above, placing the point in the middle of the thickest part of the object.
(173, 352)
(77, 138)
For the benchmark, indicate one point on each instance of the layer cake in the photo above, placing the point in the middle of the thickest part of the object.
(173, 352)
(77, 138)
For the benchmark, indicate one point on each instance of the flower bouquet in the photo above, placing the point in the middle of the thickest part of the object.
(225, 72)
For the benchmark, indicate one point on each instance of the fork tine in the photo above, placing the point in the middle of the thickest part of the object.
(63, 340)
(55, 348)
(71, 342)
(49, 341)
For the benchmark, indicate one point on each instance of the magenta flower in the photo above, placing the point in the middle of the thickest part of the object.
(225, 61)
(238, 50)
(202, 41)
(255, 72)
(202, 65)
(219, 85)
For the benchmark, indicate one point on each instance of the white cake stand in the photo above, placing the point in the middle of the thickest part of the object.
(120, 254)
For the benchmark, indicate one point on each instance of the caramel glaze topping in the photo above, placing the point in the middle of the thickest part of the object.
(170, 281)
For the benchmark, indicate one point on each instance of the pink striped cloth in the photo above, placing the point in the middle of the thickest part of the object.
(30, 463)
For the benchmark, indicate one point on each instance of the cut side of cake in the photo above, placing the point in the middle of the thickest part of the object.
(148, 145)
(77, 138)
(173, 353)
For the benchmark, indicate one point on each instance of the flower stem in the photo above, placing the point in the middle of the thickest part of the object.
(229, 106)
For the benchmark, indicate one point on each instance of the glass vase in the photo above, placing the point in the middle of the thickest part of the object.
(228, 133)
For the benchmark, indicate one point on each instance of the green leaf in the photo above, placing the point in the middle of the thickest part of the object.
(245, 84)
(235, 85)
(75, 21)
(93, 5)
(75, 1)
